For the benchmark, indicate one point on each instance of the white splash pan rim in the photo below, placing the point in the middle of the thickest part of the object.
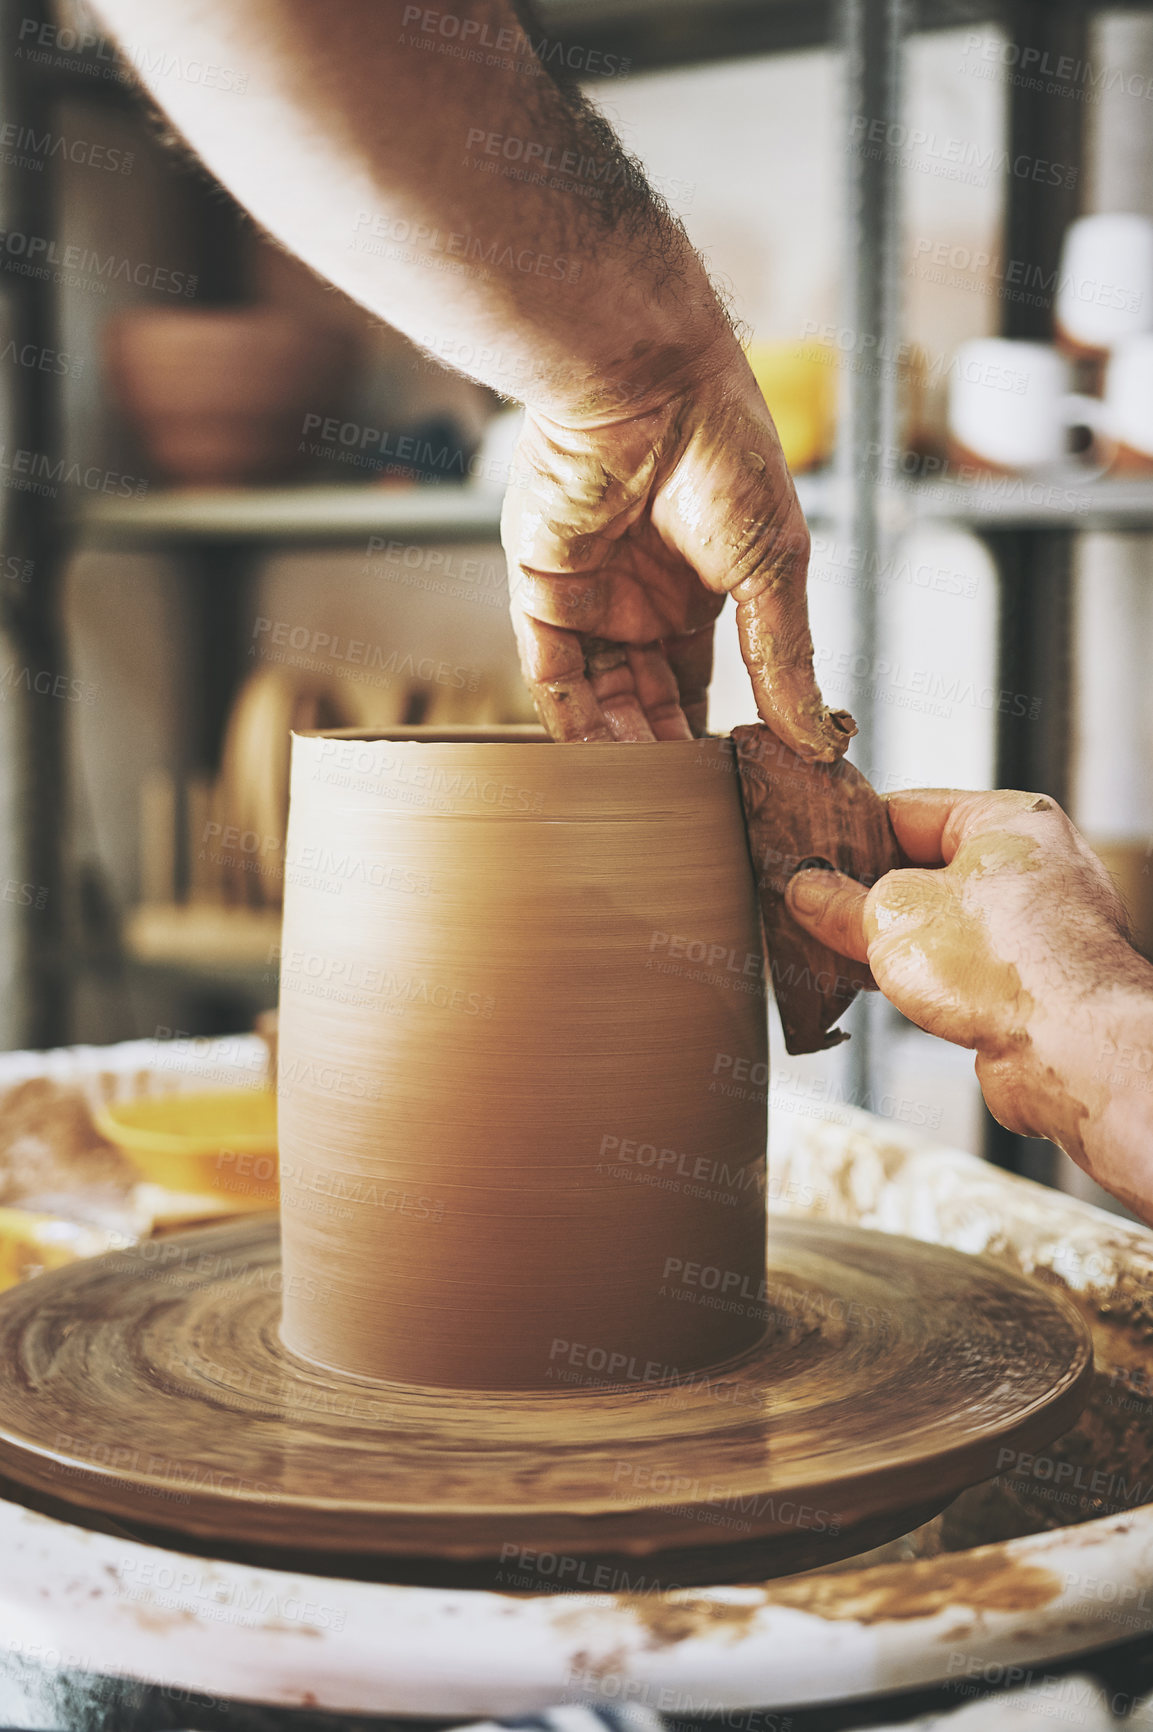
(78, 1600)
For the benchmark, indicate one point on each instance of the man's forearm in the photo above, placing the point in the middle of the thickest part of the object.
(459, 193)
(1117, 1140)
(1087, 1080)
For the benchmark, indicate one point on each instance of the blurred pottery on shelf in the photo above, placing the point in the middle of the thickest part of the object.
(1105, 283)
(1012, 409)
(218, 395)
(799, 383)
(1126, 419)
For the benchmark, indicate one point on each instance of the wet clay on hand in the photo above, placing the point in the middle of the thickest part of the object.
(795, 812)
(624, 539)
(1006, 935)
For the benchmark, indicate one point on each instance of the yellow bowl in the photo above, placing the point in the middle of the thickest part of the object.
(220, 1144)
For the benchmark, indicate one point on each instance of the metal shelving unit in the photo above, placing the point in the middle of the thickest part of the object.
(218, 533)
(35, 782)
(1103, 504)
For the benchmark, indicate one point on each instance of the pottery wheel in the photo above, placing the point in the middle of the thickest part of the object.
(150, 1388)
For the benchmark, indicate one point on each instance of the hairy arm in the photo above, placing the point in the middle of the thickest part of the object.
(445, 194)
(450, 184)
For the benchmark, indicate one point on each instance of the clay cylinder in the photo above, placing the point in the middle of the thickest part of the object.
(523, 1061)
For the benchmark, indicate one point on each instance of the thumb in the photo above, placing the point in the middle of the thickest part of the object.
(830, 906)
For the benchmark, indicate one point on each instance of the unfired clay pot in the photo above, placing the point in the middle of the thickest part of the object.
(517, 980)
(218, 395)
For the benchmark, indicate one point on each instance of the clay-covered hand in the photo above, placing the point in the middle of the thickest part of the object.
(1005, 934)
(624, 538)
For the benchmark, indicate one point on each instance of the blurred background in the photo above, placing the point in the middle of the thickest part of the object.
(233, 502)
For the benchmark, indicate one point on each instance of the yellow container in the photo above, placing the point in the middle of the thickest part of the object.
(219, 1144)
(799, 383)
(31, 1243)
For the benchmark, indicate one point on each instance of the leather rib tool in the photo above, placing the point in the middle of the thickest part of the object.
(800, 813)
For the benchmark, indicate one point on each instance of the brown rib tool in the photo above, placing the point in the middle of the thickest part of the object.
(797, 812)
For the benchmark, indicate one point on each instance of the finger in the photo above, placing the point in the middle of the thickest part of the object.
(931, 823)
(732, 511)
(656, 688)
(925, 954)
(553, 663)
(613, 685)
(773, 625)
(830, 906)
(691, 659)
(919, 817)
(575, 603)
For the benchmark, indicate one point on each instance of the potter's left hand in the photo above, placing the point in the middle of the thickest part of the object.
(625, 535)
(1005, 934)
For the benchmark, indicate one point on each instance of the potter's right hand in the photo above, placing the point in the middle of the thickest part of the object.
(1005, 934)
(655, 481)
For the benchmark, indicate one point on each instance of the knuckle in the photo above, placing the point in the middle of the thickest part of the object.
(901, 895)
(769, 551)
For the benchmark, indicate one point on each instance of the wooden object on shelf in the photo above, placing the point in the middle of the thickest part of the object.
(200, 934)
(251, 797)
(234, 827)
(824, 813)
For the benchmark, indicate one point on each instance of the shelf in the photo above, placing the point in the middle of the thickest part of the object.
(647, 33)
(205, 937)
(1023, 503)
(658, 34)
(291, 515)
(1001, 502)
(602, 38)
(350, 515)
